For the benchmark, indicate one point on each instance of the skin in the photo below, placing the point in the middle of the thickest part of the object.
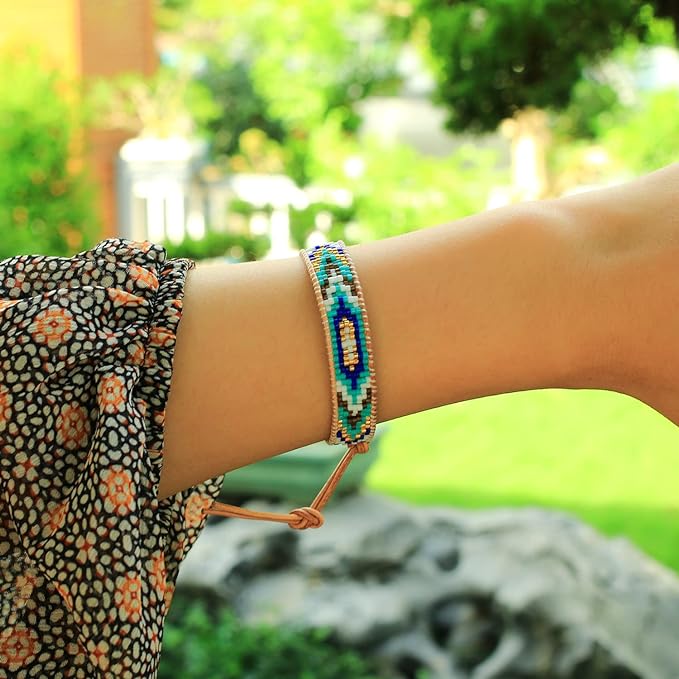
(578, 293)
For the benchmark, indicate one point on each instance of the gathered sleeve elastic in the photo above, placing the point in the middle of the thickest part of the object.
(88, 555)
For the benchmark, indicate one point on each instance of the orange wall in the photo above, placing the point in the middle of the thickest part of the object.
(49, 24)
(84, 37)
(116, 36)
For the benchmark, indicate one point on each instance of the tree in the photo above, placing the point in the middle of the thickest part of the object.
(240, 107)
(295, 61)
(500, 60)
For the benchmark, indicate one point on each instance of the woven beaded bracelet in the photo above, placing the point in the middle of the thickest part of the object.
(353, 388)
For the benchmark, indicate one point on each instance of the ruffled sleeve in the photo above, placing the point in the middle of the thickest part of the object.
(88, 555)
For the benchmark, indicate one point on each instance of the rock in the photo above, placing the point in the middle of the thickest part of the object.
(493, 594)
(235, 552)
(364, 545)
(409, 653)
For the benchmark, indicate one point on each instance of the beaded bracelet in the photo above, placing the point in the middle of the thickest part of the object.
(353, 388)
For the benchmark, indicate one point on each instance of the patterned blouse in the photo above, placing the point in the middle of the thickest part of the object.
(88, 555)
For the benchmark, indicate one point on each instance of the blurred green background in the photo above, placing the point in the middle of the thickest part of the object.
(303, 89)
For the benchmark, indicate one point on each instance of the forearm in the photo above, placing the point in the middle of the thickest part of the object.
(494, 303)
(490, 304)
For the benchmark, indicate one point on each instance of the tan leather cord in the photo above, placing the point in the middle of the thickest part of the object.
(303, 517)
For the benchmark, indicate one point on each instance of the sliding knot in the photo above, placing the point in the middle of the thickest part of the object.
(361, 447)
(308, 517)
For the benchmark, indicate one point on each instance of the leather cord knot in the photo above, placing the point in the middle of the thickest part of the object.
(303, 517)
(307, 517)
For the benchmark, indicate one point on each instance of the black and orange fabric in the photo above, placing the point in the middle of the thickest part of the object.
(88, 555)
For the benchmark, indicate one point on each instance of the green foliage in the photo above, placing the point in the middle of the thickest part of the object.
(203, 644)
(303, 53)
(663, 31)
(239, 106)
(170, 102)
(283, 67)
(404, 191)
(168, 14)
(243, 207)
(303, 222)
(237, 247)
(597, 137)
(496, 57)
(47, 204)
(646, 137)
(397, 189)
(592, 106)
(257, 153)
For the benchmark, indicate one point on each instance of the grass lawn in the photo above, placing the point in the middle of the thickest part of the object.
(606, 457)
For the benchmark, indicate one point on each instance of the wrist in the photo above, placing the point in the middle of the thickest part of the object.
(587, 344)
(626, 269)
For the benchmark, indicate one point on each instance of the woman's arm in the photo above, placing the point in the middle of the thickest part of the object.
(529, 296)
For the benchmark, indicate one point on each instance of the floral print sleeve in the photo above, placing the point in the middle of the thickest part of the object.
(88, 555)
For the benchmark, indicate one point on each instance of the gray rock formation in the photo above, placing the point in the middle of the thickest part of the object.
(493, 594)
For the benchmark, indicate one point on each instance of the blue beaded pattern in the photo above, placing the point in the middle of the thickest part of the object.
(346, 329)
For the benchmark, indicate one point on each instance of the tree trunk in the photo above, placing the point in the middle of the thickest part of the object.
(529, 136)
